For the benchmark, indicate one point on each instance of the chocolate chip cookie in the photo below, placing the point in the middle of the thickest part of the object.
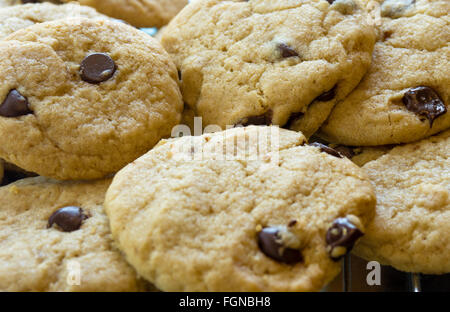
(411, 229)
(54, 236)
(269, 62)
(139, 13)
(247, 209)
(81, 98)
(17, 17)
(405, 96)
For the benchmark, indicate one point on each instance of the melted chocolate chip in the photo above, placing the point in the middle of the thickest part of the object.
(331, 1)
(69, 218)
(30, 1)
(342, 234)
(326, 149)
(270, 244)
(286, 51)
(327, 96)
(424, 101)
(265, 119)
(97, 67)
(14, 105)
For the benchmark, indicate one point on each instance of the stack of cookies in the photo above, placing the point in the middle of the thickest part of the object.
(82, 96)
(321, 128)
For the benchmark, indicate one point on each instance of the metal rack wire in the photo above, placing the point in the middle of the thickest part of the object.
(414, 282)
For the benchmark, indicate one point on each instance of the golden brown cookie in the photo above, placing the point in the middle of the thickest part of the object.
(81, 98)
(54, 236)
(269, 62)
(247, 209)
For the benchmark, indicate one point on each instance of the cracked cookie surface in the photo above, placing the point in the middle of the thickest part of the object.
(269, 62)
(18, 17)
(411, 229)
(405, 95)
(35, 257)
(200, 214)
(139, 13)
(74, 102)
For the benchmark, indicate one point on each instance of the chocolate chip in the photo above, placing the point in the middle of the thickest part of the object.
(326, 149)
(292, 223)
(424, 101)
(14, 105)
(269, 241)
(346, 151)
(331, 1)
(97, 67)
(341, 237)
(386, 35)
(30, 1)
(327, 96)
(69, 218)
(265, 119)
(286, 51)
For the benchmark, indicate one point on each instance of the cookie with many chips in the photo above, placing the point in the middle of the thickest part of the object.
(405, 95)
(269, 62)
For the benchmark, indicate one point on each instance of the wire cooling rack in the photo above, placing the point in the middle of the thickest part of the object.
(354, 273)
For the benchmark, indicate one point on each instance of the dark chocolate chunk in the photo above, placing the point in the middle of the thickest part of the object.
(269, 242)
(342, 234)
(327, 96)
(97, 67)
(424, 101)
(286, 51)
(30, 1)
(326, 149)
(331, 1)
(265, 119)
(15, 105)
(69, 218)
